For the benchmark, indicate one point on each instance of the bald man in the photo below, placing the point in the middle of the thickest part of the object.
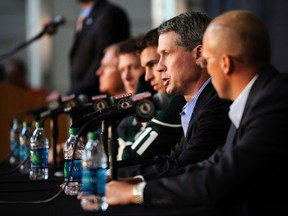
(248, 176)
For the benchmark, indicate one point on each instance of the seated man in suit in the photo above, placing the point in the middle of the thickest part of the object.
(248, 177)
(163, 131)
(204, 117)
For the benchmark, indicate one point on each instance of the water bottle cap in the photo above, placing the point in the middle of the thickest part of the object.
(16, 121)
(26, 124)
(92, 135)
(39, 124)
(73, 131)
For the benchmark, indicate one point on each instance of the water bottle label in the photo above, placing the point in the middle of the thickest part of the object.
(24, 152)
(94, 181)
(39, 158)
(76, 172)
(14, 148)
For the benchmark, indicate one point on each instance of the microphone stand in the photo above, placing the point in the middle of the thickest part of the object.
(53, 136)
(112, 143)
(54, 126)
(49, 29)
(104, 137)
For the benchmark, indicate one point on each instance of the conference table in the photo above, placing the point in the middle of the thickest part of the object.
(21, 196)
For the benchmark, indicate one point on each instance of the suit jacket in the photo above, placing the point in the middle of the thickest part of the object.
(206, 132)
(251, 172)
(106, 24)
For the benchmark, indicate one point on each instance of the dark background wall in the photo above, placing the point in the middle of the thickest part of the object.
(273, 13)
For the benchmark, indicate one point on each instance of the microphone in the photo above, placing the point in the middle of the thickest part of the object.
(51, 26)
(146, 106)
(51, 105)
(78, 107)
(143, 105)
(98, 103)
(66, 103)
(101, 104)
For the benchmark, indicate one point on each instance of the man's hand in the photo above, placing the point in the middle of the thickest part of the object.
(120, 193)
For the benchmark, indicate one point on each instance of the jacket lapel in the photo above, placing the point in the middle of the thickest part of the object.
(265, 76)
(203, 97)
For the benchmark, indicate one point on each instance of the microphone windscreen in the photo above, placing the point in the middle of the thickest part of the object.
(59, 20)
(161, 101)
(83, 99)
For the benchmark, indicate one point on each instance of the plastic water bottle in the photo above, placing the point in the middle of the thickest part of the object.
(94, 166)
(14, 141)
(39, 149)
(74, 186)
(24, 150)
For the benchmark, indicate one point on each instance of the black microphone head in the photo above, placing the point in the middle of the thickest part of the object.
(161, 101)
(54, 104)
(83, 99)
(144, 106)
(51, 27)
(59, 20)
(100, 102)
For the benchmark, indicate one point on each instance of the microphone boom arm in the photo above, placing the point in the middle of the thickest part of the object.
(48, 29)
(22, 45)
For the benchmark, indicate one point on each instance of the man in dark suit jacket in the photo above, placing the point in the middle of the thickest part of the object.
(103, 25)
(208, 120)
(206, 132)
(249, 177)
(160, 134)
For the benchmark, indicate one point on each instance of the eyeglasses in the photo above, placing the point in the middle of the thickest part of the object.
(204, 62)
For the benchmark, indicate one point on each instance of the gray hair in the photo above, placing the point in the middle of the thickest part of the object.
(190, 27)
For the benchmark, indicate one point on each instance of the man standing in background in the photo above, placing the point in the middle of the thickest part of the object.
(102, 25)
(99, 25)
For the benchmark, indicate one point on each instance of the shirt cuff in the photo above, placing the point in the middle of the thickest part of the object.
(141, 177)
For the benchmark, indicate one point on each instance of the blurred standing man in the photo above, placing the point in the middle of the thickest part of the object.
(100, 24)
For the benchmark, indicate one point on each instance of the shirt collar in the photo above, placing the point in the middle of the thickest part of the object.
(188, 109)
(86, 12)
(194, 99)
(237, 107)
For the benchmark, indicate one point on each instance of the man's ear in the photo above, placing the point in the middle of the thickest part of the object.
(226, 64)
(198, 54)
(199, 50)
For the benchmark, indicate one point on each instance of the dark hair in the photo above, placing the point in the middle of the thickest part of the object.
(190, 27)
(149, 39)
(129, 45)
